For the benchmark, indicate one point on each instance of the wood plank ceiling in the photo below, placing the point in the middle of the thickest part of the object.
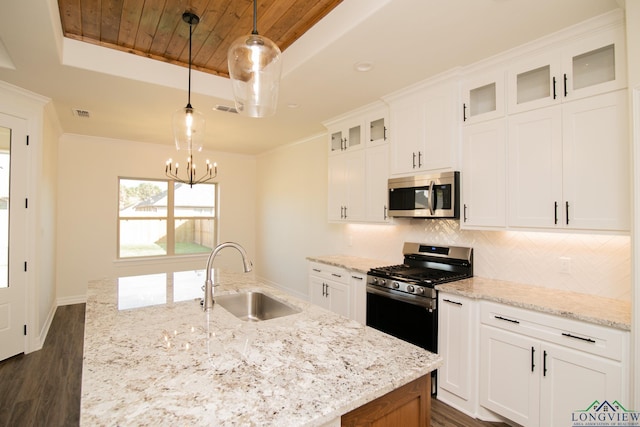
(155, 29)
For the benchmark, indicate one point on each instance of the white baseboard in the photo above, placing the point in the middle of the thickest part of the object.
(38, 342)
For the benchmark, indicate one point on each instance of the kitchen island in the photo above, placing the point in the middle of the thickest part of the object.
(153, 357)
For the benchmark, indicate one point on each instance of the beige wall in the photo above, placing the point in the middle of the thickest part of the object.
(88, 171)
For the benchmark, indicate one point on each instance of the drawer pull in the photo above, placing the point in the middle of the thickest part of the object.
(317, 270)
(357, 277)
(452, 302)
(564, 334)
(508, 320)
(336, 275)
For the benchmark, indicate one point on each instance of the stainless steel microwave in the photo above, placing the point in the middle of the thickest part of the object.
(425, 196)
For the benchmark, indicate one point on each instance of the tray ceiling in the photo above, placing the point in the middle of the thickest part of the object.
(155, 29)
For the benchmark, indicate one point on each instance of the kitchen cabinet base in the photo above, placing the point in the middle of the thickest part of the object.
(409, 405)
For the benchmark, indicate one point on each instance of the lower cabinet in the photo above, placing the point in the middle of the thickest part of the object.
(457, 320)
(537, 369)
(339, 290)
(407, 406)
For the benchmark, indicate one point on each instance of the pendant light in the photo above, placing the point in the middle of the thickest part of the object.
(188, 129)
(254, 70)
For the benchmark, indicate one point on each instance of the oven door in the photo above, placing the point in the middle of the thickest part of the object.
(412, 319)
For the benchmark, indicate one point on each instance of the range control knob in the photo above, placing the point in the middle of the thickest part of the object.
(374, 280)
(383, 282)
(410, 288)
(420, 291)
(396, 285)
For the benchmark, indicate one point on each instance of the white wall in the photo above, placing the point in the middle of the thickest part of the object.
(88, 171)
(293, 225)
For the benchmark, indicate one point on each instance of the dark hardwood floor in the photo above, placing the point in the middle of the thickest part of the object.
(43, 388)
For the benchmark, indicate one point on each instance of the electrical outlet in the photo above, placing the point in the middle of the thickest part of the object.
(565, 265)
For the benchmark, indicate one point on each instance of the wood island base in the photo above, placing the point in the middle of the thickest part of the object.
(407, 406)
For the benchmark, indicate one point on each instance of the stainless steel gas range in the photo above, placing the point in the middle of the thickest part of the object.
(401, 299)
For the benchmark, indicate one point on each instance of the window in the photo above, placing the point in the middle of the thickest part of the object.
(164, 218)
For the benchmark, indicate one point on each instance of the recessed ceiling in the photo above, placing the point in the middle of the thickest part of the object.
(155, 29)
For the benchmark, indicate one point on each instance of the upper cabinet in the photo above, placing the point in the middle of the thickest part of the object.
(425, 129)
(359, 165)
(483, 96)
(585, 67)
(345, 136)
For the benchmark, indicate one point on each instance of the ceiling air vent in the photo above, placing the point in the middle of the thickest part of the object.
(226, 109)
(83, 114)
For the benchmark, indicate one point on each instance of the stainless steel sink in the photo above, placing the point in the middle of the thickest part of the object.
(254, 306)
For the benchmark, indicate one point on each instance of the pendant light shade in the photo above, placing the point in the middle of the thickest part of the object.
(188, 129)
(254, 69)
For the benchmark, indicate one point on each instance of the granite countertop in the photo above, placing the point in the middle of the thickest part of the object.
(588, 308)
(573, 305)
(153, 357)
(354, 263)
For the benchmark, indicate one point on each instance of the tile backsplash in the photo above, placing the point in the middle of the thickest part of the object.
(586, 263)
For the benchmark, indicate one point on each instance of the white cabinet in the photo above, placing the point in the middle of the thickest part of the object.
(358, 173)
(346, 135)
(329, 288)
(568, 165)
(425, 129)
(347, 187)
(484, 175)
(537, 369)
(358, 288)
(585, 67)
(377, 175)
(483, 96)
(457, 320)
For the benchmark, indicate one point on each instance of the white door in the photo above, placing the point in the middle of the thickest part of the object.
(12, 235)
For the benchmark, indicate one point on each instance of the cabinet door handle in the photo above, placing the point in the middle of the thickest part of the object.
(327, 291)
(385, 212)
(566, 209)
(565, 85)
(451, 302)
(323, 285)
(345, 212)
(555, 213)
(414, 160)
(419, 159)
(554, 87)
(464, 112)
(357, 277)
(507, 320)
(384, 133)
(464, 214)
(533, 352)
(564, 334)
(544, 363)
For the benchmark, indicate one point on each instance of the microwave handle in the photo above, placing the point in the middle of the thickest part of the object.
(430, 198)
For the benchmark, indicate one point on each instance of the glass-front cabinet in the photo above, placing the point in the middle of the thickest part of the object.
(585, 67)
(346, 136)
(483, 97)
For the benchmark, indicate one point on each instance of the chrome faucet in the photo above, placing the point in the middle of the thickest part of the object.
(208, 283)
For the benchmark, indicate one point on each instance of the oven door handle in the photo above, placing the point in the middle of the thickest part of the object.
(428, 303)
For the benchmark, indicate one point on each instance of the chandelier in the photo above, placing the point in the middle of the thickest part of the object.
(254, 70)
(188, 129)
